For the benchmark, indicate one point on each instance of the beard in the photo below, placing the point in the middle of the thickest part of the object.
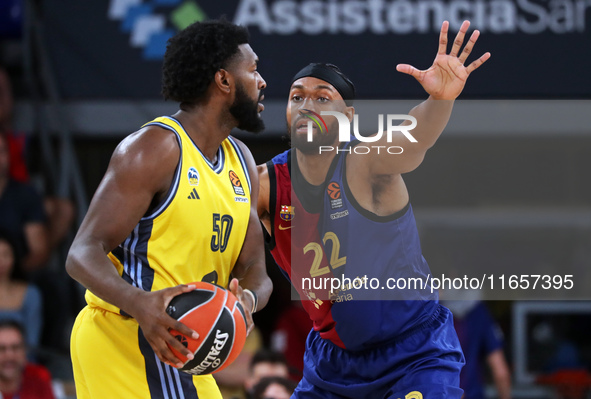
(246, 111)
(319, 138)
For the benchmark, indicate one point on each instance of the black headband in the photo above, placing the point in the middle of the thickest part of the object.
(329, 75)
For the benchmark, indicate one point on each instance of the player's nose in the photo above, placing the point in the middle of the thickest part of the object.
(262, 83)
(308, 103)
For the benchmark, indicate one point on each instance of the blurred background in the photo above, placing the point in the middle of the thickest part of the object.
(505, 190)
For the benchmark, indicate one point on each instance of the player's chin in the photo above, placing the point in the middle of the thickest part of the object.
(256, 127)
(300, 135)
(305, 146)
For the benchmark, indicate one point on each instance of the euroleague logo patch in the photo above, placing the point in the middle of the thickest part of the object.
(334, 193)
(334, 190)
(236, 183)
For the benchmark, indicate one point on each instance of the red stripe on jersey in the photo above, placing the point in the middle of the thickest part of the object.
(289, 251)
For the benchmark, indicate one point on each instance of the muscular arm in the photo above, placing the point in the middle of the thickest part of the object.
(141, 168)
(250, 269)
(432, 116)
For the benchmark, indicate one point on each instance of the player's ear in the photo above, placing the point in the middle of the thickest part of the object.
(349, 112)
(223, 80)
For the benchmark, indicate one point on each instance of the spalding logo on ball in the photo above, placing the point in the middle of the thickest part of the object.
(219, 319)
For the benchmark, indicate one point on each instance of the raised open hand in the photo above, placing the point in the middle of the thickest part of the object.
(445, 79)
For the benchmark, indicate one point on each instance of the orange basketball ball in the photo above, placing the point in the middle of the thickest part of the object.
(219, 319)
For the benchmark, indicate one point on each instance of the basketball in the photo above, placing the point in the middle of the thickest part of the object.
(219, 319)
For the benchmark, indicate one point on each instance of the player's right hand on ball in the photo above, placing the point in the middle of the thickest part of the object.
(150, 312)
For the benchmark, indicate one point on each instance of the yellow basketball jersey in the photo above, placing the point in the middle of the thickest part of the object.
(196, 233)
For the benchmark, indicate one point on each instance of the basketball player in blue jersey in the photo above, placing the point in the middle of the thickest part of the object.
(345, 213)
(177, 205)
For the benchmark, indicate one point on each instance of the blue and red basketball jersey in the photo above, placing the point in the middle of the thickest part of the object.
(322, 232)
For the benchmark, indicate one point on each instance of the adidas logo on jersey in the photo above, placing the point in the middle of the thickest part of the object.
(193, 195)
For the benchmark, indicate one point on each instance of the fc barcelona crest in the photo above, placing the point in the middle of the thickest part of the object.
(287, 212)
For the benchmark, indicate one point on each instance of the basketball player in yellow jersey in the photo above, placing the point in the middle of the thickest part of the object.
(177, 204)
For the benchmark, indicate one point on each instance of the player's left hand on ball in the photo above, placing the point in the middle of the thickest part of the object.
(245, 301)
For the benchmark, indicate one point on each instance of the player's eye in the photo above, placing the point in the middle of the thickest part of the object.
(296, 98)
(323, 99)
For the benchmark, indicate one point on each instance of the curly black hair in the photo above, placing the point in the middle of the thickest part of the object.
(195, 54)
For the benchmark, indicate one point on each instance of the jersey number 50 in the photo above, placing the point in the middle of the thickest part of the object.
(222, 227)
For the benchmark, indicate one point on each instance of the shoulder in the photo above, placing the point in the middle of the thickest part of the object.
(281, 159)
(149, 141)
(276, 170)
(148, 156)
(263, 172)
(280, 162)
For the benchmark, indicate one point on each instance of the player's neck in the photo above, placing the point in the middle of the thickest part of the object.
(206, 128)
(314, 167)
